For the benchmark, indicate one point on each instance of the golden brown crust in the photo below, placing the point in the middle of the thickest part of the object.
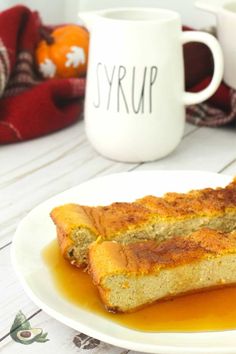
(112, 220)
(197, 202)
(117, 217)
(63, 241)
(67, 218)
(149, 256)
(120, 220)
(102, 221)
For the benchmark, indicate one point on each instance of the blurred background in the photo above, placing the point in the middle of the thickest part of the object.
(61, 11)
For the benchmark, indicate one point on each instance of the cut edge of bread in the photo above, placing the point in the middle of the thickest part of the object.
(130, 277)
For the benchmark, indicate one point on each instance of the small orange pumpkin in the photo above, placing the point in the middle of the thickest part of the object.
(63, 53)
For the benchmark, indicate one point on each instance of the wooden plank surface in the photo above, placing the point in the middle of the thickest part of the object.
(207, 149)
(33, 171)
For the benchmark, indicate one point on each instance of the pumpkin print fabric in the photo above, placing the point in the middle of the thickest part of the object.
(63, 53)
(29, 106)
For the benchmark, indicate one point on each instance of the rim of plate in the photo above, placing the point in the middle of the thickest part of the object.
(111, 339)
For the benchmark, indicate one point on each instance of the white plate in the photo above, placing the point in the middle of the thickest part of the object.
(36, 230)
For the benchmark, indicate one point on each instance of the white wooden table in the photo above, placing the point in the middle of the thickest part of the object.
(33, 171)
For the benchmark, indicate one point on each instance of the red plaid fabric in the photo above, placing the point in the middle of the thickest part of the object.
(205, 114)
(220, 109)
(29, 106)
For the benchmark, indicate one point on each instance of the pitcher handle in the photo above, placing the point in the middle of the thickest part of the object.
(214, 46)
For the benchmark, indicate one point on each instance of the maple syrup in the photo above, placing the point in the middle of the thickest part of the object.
(206, 311)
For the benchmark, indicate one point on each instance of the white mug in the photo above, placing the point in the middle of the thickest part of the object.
(134, 103)
(225, 12)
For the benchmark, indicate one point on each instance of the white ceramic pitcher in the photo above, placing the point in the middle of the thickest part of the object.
(225, 12)
(134, 106)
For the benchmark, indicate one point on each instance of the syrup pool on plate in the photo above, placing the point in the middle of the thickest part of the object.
(207, 311)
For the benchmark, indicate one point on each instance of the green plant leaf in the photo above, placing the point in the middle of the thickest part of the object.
(41, 340)
(20, 323)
